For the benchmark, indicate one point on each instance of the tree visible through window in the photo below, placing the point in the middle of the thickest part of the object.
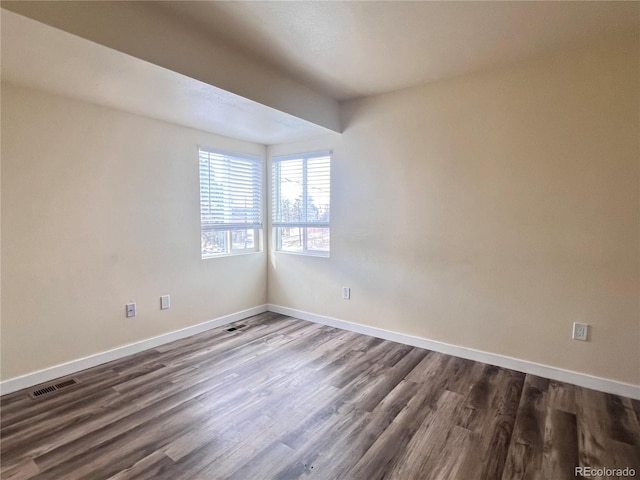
(301, 202)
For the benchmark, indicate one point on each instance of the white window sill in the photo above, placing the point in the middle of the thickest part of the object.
(304, 254)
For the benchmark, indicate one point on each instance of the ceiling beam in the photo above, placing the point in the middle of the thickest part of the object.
(138, 29)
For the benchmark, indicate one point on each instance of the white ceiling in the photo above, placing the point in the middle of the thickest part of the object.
(352, 49)
(45, 58)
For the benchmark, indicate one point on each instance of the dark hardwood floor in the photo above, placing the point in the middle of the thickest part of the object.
(282, 398)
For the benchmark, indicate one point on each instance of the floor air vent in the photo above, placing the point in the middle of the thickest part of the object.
(234, 328)
(53, 388)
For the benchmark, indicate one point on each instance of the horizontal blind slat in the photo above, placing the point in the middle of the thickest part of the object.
(230, 191)
(300, 180)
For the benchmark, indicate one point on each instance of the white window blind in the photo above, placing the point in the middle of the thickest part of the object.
(302, 190)
(230, 191)
(301, 203)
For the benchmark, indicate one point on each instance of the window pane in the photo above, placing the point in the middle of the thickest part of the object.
(318, 239)
(214, 242)
(318, 189)
(304, 239)
(243, 240)
(301, 202)
(288, 198)
(230, 202)
(291, 239)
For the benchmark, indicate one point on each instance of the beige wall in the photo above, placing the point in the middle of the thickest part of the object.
(99, 208)
(491, 212)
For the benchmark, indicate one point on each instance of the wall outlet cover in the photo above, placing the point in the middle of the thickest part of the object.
(580, 331)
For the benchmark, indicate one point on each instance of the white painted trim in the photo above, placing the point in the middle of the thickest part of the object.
(546, 371)
(74, 366)
(526, 366)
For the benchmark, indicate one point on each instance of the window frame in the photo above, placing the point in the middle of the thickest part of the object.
(277, 225)
(255, 227)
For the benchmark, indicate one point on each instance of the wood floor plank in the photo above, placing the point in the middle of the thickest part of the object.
(423, 457)
(592, 430)
(119, 452)
(560, 452)
(223, 444)
(524, 460)
(322, 455)
(22, 469)
(282, 398)
(562, 396)
(635, 404)
(624, 455)
(148, 468)
(483, 386)
(384, 455)
(245, 450)
(356, 430)
(624, 424)
(262, 465)
(341, 459)
(495, 433)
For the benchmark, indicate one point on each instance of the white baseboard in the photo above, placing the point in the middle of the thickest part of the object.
(546, 371)
(74, 366)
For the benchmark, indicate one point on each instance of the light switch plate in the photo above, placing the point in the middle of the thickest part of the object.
(165, 302)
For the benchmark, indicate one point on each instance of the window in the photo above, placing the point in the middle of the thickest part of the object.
(301, 202)
(230, 202)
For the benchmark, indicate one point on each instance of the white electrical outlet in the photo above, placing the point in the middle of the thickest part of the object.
(131, 309)
(165, 302)
(580, 331)
(346, 293)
